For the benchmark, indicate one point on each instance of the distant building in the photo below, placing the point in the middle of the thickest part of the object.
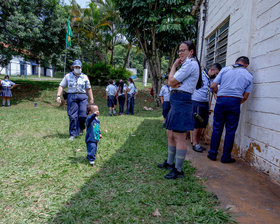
(19, 67)
(133, 71)
(232, 28)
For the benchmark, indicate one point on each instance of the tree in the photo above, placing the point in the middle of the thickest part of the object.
(112, 33)
(159, 25)
(33, 29)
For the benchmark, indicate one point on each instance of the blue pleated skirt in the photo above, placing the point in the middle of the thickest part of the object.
(180, 117)
(6, 92)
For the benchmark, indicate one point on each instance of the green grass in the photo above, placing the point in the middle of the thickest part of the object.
(46, 179)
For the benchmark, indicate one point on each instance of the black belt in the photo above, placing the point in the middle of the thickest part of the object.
(178, 91)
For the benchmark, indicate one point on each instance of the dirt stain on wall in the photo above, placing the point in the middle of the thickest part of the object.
(249, 156)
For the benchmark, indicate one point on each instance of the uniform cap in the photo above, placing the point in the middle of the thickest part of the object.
(77, 63)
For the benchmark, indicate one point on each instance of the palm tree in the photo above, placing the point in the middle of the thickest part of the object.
(112, 35)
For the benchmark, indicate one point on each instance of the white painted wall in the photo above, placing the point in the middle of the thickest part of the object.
(254, 31)
(15, 68)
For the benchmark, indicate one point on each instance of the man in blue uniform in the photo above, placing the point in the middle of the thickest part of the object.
(236, 84)
(201, 98)
(78, 84)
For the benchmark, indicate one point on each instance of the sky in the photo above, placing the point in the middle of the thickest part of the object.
(82, 3)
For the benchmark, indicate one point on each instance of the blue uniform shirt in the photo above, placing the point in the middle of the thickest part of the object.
(75, 84)
(132, 89)
(165, 92)
(111, 90)
(93, 130)
(234, 81)
(203, 94)
(188, 75)
(7, 83)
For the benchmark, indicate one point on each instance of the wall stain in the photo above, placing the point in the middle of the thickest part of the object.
(236, 150)
(249, 156)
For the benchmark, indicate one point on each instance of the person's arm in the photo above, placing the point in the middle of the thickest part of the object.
(13, 84)
(58, 95)
(171, 80)
(90, 118)
(214, 87)
(161, 99)
(245, 97)
(90, 95)
(136, 91)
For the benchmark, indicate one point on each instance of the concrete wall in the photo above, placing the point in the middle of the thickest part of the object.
(254, 31)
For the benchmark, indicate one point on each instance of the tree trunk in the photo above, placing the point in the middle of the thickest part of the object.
(127, 56)
(172, 58)
(112, 56)
(154, 58)
(156, 79)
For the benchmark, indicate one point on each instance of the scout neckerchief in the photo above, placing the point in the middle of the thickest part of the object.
(237, 66)
(168, 88)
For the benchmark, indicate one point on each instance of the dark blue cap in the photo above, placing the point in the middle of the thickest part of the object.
(77, 63)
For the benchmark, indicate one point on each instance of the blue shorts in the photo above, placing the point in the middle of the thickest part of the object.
(115, 101)
(201, 108)
(180, 117)
(110, 101)
(165, 108)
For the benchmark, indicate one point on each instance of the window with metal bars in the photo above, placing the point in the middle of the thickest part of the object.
(216, 50)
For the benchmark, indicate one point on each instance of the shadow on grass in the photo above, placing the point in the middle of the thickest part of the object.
(128, 187)
(57, 135)
(29, 90)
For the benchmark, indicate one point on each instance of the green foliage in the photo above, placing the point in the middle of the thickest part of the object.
(32, 29)
(170, 19)
(100, 73)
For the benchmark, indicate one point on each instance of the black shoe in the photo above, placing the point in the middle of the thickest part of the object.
(211, 158)
(174, 174)
(197, 148)
(202, 148)
(165, 165)
(229, 161)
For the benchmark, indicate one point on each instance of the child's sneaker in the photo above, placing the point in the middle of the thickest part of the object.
(91, 162)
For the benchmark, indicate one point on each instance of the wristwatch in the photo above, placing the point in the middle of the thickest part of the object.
(57, 96)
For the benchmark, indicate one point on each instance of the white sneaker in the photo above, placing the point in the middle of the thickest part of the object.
(71, 138)
(91, 162)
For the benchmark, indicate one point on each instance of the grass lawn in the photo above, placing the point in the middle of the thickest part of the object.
(46, 179)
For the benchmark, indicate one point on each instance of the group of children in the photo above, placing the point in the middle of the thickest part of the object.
(116, 94)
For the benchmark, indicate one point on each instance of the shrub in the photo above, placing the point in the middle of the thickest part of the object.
(100, 73)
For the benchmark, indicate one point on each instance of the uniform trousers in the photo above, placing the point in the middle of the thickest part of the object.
(130, 104)
(76, 110)
(121, 99)
(226, 113)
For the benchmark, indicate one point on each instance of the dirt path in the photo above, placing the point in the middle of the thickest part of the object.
(252, 196)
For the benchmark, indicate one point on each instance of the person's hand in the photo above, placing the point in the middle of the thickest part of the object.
(58, 99)
(177, 85)
(100, 136)
(178, 62)
(91, 101)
